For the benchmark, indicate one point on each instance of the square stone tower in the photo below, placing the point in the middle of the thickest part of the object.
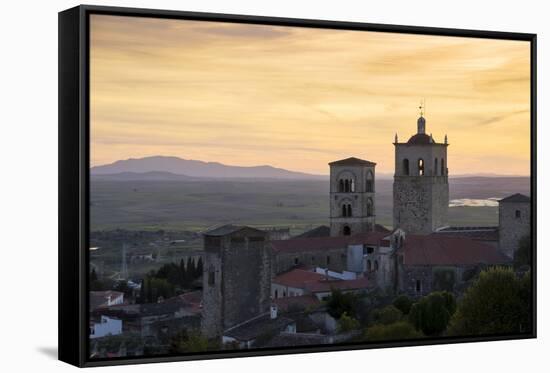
(514, 222)
(236, 278)
(351, 197)
(420, 186)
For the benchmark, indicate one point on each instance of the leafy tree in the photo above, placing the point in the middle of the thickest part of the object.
(432, 313)
(188, 341)
(200, 268)
(397, 331)
(403, 304)
(191, 270)
(522, 256)
(347, 323)
(340, 303)
(387, 315)
(153, 287)
(498, 302)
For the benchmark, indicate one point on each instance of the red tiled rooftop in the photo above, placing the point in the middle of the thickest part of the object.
(444, 250)
(325, 286)
(303, 300)
(297, 278)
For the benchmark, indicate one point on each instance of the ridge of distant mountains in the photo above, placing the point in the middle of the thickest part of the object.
(174, 168)
(157, 168)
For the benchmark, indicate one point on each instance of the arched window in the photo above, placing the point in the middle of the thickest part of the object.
(276, 294)
(406, 167)
(352, 185)
(420, 167)
(341, 186)
(369, 183)
(435, 167)
(443, 170)
(376, 265)
(370, 207)
(369, 266)
(344, 210)
(346, 186)
(349, 211)
(347, 231)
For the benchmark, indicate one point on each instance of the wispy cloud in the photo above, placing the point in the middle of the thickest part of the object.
(298, 98)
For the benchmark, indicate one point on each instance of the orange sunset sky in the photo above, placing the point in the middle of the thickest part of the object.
(298, 98)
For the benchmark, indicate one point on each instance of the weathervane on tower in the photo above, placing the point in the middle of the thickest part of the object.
(422, 107)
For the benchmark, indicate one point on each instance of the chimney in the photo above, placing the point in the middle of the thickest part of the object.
(273, 313)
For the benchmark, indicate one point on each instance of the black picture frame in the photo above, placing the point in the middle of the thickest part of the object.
(74, 161)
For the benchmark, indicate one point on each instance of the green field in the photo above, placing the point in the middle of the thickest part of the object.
(196, 205)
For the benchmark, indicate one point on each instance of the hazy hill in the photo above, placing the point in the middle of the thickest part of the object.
(192, 168)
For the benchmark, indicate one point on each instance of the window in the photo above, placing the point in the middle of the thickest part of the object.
(406, 167)
(369, 183)
(296, 261)
(211, 278)
(518, 214)
(443, 171)
(418, 286)
(376, 265)
(341, 185)
(420, 167)
(346, 210)
(346, 186)
(370, 207)
(276, 294)
(352, 185)
(328, 259)
(435, 166)
(312, 259)
(370, 250)
(347, 231)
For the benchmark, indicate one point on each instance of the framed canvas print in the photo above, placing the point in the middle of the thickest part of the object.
(236, 186)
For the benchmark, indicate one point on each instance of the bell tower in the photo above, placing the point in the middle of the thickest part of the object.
(420, 184)
(351, 197)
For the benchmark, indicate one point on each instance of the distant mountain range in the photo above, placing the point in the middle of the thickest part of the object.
(158, 168)
(174, 168)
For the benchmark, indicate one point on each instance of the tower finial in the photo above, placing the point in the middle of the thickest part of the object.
(396, 138)
(446, 142)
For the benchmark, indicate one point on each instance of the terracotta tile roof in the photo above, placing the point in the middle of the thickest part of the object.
(518, 197)
(326, 286)
(297, 278)
(304, 301)
(352, 161)
(474, 233)
(443, 250)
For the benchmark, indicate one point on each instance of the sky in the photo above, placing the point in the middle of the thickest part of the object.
(298, 98)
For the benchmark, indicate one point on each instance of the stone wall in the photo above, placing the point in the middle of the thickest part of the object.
(362, 218)
(511, 227)
(333, 259)
(420, 203)
(242, 280)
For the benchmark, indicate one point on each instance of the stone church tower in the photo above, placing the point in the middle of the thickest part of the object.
(420, 186)
(351, 197)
